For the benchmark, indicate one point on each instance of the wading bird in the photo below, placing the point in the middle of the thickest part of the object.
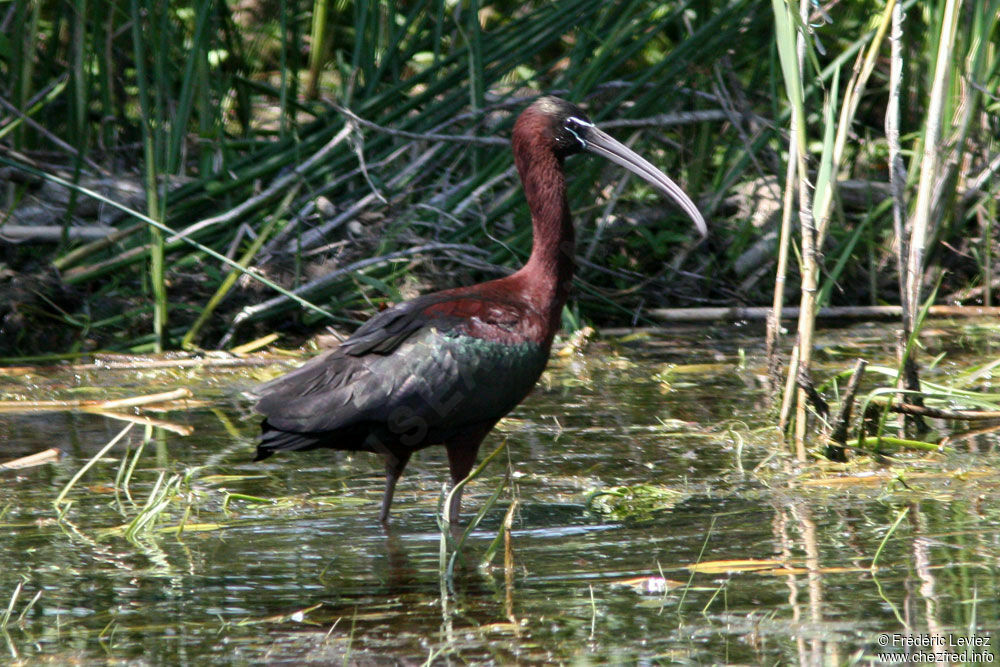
(442, 369)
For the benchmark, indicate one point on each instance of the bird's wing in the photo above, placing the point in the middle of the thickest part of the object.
(414, 361)
(386, 331)
(380, 335)
(336, 369)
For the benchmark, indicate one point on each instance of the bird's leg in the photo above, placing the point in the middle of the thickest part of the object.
(394, 464)
(460, 460)
(462, 452)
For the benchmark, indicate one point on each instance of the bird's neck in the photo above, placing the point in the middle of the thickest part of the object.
(549, 271)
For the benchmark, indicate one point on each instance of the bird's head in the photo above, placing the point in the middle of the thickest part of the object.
(561, 124)
(564, 129)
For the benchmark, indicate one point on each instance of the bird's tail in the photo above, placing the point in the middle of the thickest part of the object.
(275, 440)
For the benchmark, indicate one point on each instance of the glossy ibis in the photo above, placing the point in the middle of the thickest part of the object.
(442, 369)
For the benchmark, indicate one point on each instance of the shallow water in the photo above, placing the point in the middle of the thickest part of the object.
(295, 568)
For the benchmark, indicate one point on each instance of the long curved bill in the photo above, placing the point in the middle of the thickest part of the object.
(599, 142)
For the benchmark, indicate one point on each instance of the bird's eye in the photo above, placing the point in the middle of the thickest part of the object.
(578, 128)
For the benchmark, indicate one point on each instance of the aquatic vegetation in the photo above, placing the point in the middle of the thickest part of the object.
(640, 502)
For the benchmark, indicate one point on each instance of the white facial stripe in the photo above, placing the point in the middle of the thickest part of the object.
(580, 121)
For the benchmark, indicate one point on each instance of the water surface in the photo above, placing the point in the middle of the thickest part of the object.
(284, 561)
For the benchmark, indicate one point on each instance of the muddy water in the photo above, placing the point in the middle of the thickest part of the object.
(720, 550)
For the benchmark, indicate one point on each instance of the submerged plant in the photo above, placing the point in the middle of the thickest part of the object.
(639, 502)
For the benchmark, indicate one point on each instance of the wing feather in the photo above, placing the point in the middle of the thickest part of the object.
(417, 359)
